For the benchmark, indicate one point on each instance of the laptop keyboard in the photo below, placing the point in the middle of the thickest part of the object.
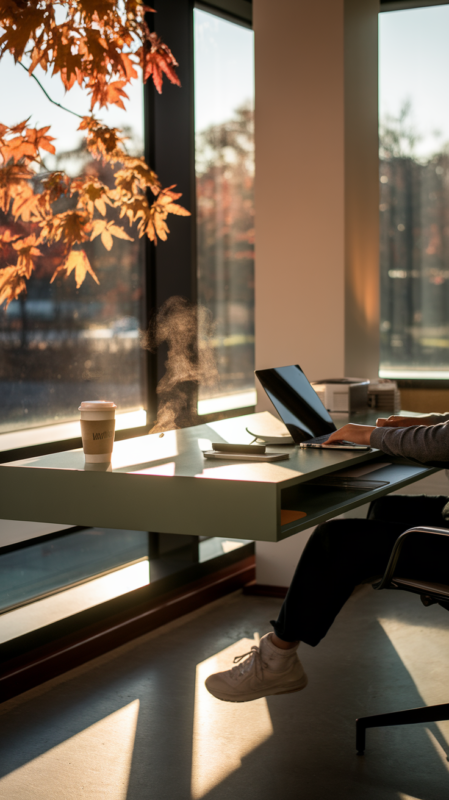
(318, 439)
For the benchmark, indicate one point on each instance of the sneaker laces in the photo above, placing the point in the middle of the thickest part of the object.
(253, 658)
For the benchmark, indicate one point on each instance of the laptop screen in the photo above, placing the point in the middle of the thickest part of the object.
(296, 402)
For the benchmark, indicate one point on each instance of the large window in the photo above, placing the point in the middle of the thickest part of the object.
(60, 345)
(414, 192)
(224, 129)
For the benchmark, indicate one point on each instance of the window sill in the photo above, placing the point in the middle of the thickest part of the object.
(63, 436)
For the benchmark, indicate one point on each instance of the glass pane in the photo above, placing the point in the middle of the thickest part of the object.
(40, 568)
(60, 345)
(414, 192)
(224, 125)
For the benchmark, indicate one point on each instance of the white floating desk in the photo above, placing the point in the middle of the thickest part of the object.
(166, 485)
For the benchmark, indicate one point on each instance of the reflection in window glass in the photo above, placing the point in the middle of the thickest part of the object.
(55, 563)
(414, 192)
(224, 124)
(60, 345)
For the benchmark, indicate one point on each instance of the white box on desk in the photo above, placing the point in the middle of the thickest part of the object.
(343, 394)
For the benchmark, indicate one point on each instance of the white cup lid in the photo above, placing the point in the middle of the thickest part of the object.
(96, 405)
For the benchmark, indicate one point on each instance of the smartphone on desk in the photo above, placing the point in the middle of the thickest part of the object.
(242, 452)
(245, 456)
(225, 447)
(339, 446)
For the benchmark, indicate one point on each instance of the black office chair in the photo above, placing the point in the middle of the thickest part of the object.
(430, 593)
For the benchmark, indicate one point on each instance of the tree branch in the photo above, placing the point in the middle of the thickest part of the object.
(80, 116)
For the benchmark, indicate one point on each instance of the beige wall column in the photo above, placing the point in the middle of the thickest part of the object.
(316, 192)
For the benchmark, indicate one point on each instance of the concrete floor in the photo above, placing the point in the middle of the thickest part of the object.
(138, 724)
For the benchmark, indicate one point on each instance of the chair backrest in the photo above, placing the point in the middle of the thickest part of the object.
(430, 592)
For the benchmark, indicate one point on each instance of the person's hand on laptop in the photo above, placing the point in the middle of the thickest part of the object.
(357, 434)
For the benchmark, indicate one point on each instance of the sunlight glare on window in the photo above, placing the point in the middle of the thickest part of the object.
(224, 129)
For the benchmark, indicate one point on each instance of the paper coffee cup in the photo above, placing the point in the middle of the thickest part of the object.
(97, 430)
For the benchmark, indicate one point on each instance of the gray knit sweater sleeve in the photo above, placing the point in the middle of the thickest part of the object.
(425, 443)
(434, 419)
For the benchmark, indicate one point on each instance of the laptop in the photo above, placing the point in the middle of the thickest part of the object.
(300, 408)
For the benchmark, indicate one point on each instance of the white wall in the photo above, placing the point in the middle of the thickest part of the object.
(316, 279)
(276, 561)
(299, 185)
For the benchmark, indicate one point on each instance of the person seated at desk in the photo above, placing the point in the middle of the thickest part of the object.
(341, 554)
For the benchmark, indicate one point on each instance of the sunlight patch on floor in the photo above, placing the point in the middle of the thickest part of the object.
(94, 764)
(223, 733)
(409, 797)
(424, 651)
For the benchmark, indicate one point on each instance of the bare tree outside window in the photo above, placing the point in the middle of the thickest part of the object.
(414, 195)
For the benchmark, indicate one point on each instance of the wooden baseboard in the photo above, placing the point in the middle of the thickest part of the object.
(265, 590)
(47, 662)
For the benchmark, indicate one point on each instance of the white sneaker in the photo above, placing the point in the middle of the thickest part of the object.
(251, 677)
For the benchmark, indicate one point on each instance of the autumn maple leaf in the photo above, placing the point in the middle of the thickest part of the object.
(93, 194)
(18, 148)
(156, 59)
(25, 204)
(12, 284)
(107, 93)
(152, 219)
(106, 230)
(27, 252)
(38, 137)
(134, 175)
(78, 263)
(56, 184)
(13, 178)
(6, 240)
(102, 141)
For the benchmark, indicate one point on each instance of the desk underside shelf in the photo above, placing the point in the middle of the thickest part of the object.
(319, 503)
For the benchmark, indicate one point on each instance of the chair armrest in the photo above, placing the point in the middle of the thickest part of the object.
(397, 549)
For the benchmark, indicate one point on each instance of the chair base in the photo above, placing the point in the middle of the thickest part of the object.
(426, 714)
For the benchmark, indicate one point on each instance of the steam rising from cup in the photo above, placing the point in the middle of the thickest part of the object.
(186, 329)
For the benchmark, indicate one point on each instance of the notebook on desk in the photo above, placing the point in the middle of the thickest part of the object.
(300, 408)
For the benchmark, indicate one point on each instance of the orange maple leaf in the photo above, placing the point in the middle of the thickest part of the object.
(107, 93)
(152, 218)
(38, 137)
(17, 148)
(27, 252)
(78, 263)
(102, 141)
(12, 180)
(56, 184)
(157, 58)
(12, 284)
(134, 175)
(25, 204)
(106, 230)
(70, 227)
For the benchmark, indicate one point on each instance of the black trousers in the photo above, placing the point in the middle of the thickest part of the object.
(341, 554)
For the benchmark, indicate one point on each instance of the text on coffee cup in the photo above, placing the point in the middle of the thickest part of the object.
(103, 435)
